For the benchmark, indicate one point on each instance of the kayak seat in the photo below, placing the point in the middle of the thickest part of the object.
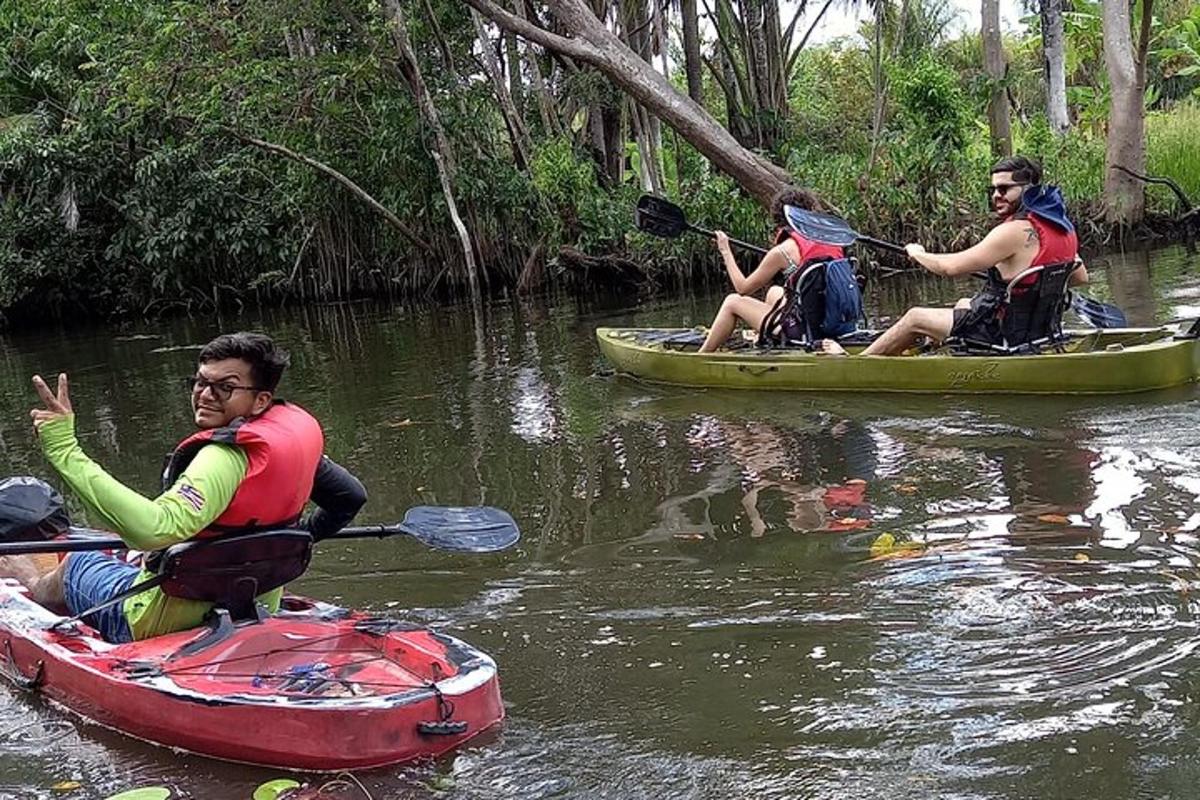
(1024, 321)
(230, 572)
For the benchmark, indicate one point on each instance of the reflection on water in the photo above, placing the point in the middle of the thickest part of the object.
(719, 594)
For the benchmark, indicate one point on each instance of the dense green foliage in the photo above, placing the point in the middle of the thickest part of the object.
(128, 184)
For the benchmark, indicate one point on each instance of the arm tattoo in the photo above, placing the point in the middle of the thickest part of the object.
(1031, 236)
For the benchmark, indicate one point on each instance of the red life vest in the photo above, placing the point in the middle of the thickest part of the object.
(1055, 245)
(283, 446)
(808, 248)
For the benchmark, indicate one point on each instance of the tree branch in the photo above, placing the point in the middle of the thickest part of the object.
(791, 62)
(350, 185)
(521, 27)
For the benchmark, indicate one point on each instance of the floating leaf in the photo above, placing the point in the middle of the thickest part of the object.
(145, 793)
(276, 789)
(690, 537)
(1082, 557)
(886, 546)
(907, 488)
(1054, 519)
(399, 423)
(66, 786)
(856, 482)
(884, 543)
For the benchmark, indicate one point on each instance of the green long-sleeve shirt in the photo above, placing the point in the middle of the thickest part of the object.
(191, 504)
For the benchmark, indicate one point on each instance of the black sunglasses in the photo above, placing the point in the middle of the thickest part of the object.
(1003, 188)
(222, 390)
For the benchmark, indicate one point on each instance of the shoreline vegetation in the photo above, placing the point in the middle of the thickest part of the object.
(162, 158)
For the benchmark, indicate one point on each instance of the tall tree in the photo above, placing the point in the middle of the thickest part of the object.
(692, 64)
(441, 152)
(994, 65)
(580, 35)
(1054, 62)
(1124, 195)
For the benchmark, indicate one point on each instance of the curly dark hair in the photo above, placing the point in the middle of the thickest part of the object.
(794, 196)
(1023, 168)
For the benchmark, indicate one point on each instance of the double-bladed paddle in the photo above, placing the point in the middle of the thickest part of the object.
(472, 529)
(660, 217)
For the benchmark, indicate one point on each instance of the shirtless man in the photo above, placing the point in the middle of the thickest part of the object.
(1033, 231)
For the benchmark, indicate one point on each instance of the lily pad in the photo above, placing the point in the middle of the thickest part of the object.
(274, 790)
(145, 793)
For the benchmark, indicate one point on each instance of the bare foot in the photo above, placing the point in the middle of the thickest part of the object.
(831, 348)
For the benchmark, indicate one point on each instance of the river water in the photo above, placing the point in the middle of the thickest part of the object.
(718, 594)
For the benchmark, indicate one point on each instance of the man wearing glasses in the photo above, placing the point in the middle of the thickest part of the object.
(1033, 231)
(253, 465)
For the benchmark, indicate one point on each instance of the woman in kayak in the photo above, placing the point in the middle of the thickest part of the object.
(791, 251)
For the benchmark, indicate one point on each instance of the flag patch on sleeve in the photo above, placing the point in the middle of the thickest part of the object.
(192, 495)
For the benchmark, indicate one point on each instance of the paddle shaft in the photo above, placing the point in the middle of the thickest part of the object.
(712, 235)
(871, 241)
(95, 542)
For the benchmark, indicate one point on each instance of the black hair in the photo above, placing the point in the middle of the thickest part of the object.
(1023, 169)
(266, 361)
(793, 196)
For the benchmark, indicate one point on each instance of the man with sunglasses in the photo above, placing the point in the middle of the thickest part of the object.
(253, 465)
(1033, 231)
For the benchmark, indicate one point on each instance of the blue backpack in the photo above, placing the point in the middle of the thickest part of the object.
(843, 298)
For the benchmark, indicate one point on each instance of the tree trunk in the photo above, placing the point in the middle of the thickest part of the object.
(512, 54)
(546, 104)
(1054, 55)
(589, 41)
(993, 65)
(1124, 196)
(691, 49)
(442, 154)
(512, 119)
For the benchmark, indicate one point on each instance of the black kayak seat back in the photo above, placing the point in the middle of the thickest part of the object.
(231, 571)
(1030, 314)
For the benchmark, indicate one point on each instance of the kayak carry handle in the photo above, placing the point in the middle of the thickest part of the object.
(447, 728)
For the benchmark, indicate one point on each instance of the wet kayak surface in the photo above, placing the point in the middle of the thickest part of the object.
(718, 593)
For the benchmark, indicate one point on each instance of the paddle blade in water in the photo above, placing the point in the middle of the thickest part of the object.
(659, 217)
(820, 227)
(473, 529)
(1100, 315)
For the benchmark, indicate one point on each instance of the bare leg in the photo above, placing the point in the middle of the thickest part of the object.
(916, 322)
(734, 307)
(44, 580)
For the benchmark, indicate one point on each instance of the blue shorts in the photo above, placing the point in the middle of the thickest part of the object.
(92, 578)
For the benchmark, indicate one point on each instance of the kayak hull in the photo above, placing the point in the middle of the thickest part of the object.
(314, 688)
(1102, 362)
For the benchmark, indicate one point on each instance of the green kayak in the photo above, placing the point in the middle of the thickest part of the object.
(1090, 362)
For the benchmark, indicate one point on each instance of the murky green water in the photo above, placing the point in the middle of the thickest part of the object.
(695, 609)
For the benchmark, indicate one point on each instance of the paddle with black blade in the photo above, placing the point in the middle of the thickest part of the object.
(659, 217)
(471, 529)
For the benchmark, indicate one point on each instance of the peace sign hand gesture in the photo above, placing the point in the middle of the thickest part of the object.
(58, 406)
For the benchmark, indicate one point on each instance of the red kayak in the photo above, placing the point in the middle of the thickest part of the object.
(313, 687)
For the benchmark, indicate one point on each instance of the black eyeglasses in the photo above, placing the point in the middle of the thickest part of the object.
(1003, 188)
(222, 390)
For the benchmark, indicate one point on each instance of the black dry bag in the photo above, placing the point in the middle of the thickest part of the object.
(30, 510)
